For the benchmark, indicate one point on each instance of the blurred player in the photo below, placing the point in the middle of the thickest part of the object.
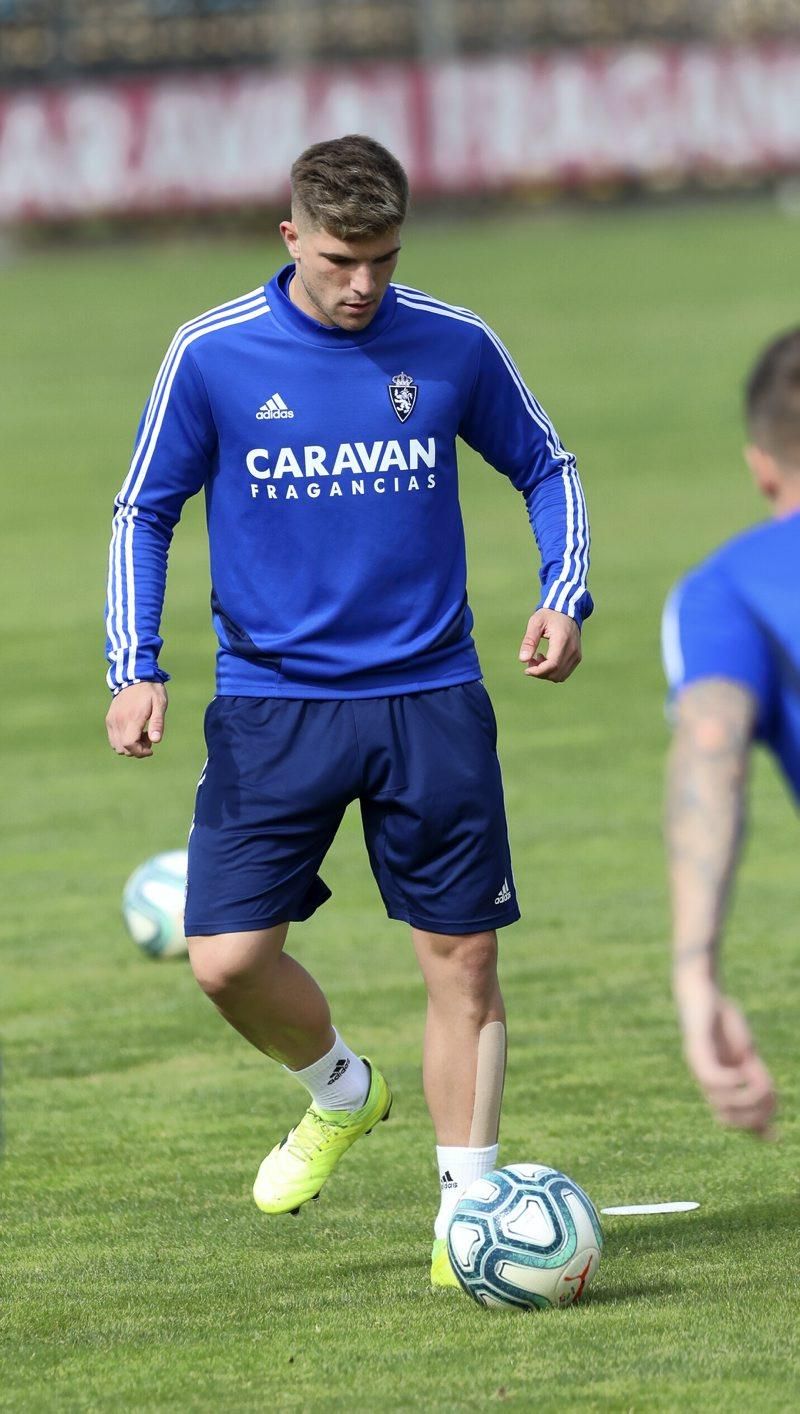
(732, 655)
(319, 414)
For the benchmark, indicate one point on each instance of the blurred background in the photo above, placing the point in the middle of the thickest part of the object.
(139, 105)
(614, 187)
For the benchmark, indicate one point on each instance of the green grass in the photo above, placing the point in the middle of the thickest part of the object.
(137, 1272)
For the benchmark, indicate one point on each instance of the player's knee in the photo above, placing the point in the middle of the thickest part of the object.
(214, 971)
(228, 964)
(474, 959)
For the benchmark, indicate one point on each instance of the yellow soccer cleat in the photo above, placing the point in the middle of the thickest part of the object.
(297, 1168)
(442, 1273)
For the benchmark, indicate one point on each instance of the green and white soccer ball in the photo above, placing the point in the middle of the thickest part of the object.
(152, 904)
(525, 1236)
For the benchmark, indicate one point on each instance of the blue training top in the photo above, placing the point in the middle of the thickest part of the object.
(328, 460)
(737, 616)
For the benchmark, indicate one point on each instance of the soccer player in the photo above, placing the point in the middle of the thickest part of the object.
(731, 638)
(319, 414)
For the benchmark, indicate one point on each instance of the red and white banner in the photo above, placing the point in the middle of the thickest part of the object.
(564, 117)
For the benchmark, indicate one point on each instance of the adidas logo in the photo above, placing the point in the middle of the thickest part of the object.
(446, 1180)
(274, 407)
(504, 894)
(341, 1065)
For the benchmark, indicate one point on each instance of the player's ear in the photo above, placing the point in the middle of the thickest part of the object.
(765, 470)
(291, 238)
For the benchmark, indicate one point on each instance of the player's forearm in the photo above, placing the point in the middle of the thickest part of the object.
(137, 572)
(558, 517)
(705, 811)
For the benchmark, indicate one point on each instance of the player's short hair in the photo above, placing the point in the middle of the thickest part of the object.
(350, 187)
(772, 400)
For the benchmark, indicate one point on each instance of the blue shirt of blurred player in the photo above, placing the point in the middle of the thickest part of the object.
(737, 616)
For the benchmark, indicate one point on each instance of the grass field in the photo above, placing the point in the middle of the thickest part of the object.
(138, 1274)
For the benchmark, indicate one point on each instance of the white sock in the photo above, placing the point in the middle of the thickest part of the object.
(458, 1168)
(338, 1080)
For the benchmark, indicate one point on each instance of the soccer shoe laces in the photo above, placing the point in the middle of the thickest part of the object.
(304, 1141)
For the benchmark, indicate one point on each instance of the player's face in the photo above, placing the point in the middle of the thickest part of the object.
(337, 282)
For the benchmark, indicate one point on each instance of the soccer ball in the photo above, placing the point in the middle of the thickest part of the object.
(152, 904)
(525, 1236)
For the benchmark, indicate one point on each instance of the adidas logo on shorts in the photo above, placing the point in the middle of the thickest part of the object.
(504, 894)
(274, 407)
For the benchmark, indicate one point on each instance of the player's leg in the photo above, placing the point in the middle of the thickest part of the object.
(275, 1003)
(464, 1035)
(265, 994)
(438, 843)
(277, 780)
(278, 1007)
(464, 1060)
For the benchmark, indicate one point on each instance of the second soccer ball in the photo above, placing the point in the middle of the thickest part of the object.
(152, 904)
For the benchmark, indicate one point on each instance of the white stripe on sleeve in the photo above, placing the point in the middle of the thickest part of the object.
(671, 647)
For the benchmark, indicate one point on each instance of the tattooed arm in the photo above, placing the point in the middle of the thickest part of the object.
(705, 811)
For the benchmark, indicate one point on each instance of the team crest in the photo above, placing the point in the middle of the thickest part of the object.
(403, 394)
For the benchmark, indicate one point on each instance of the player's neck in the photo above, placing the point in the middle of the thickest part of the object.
(299, 296)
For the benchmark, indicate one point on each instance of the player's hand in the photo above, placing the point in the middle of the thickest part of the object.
(563, 646)
(720, 1053)
(135, 719)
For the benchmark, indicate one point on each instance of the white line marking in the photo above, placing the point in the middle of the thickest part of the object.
(636, 1208)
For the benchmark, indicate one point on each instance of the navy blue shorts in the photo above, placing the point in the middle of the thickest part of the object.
(281, 773)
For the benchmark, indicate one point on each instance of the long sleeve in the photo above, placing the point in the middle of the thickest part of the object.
(504, 422)
(171, 461)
